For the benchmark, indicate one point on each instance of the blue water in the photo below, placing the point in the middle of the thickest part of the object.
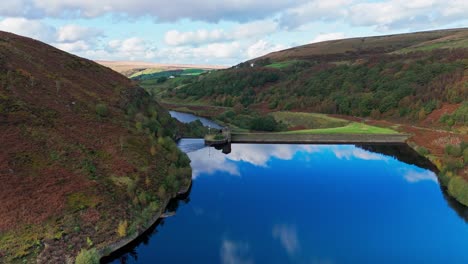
(187, 118)
(307, 204)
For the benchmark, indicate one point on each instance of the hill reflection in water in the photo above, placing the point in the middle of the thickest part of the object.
(306, 203)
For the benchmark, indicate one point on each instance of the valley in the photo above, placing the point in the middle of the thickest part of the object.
(92, 156)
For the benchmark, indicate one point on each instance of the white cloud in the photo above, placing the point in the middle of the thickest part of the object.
(226, 46)
(215, 53)
(254, 29)
(132, 49)
(70, 38)
(401, 14)
(29, 28)
(262, 47)
(381, 15)
(315, 10)
(287, 235)
(235, 252)
(72, 47)
(202, 36)
(74, 33)
(204, 10)
(328, 36)
(177, 38)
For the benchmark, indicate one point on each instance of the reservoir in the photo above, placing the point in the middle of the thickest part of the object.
(187, 118)
(307, 204)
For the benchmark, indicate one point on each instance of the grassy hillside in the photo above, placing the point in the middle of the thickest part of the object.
(400, 77)
(87, 156)
(369, 46)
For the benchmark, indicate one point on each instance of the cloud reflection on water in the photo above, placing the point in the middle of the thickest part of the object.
(235, 252)
(351, 152)
(208, 160)
(414, 176)
(287, 235)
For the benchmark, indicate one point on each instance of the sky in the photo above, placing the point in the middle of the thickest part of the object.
(215, 32)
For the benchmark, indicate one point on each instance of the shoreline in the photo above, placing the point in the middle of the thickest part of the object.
(115, 247)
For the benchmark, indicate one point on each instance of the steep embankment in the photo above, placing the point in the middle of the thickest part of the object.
(417, 82)
(86, 155)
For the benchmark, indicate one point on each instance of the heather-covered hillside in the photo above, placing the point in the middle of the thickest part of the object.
(87, 157)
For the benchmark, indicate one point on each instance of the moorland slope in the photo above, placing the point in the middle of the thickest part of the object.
(87, 157)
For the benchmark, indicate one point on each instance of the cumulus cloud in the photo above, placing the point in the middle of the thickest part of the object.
(202, 36)
(315, 10)
(70, 38)
(226, 46)
(387, 15)
(204, 10)
(74, 33)
(262, 47)
(328, 36)
(177, 38)
(381, 15)
(77, 46)
(132, 48)
(30, 28)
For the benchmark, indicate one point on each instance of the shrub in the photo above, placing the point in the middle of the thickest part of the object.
(454, 151)
(264, 123)
(422, 151)
(87, 257)
(458, 188)
(122, 228)
(101, 110)
(465, 155)
(162, 192)
(453, 165)
(219, 137)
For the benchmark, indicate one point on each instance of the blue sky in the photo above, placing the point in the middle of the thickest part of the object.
(215, 32)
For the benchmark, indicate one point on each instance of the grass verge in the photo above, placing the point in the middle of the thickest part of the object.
(353, 128)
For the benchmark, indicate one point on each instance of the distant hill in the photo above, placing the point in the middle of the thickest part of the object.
(416, 77)
(134, 68)
(353, 48)
(87, 157)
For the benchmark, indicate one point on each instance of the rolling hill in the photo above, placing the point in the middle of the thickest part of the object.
(402, 77)
(371, 46)
(87, 157)
(135, 68)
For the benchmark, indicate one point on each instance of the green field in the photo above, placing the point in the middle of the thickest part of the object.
(353, 128)
(146, 71)
(308, 120)
(282, 64)
(193, 72)
(153, 74)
